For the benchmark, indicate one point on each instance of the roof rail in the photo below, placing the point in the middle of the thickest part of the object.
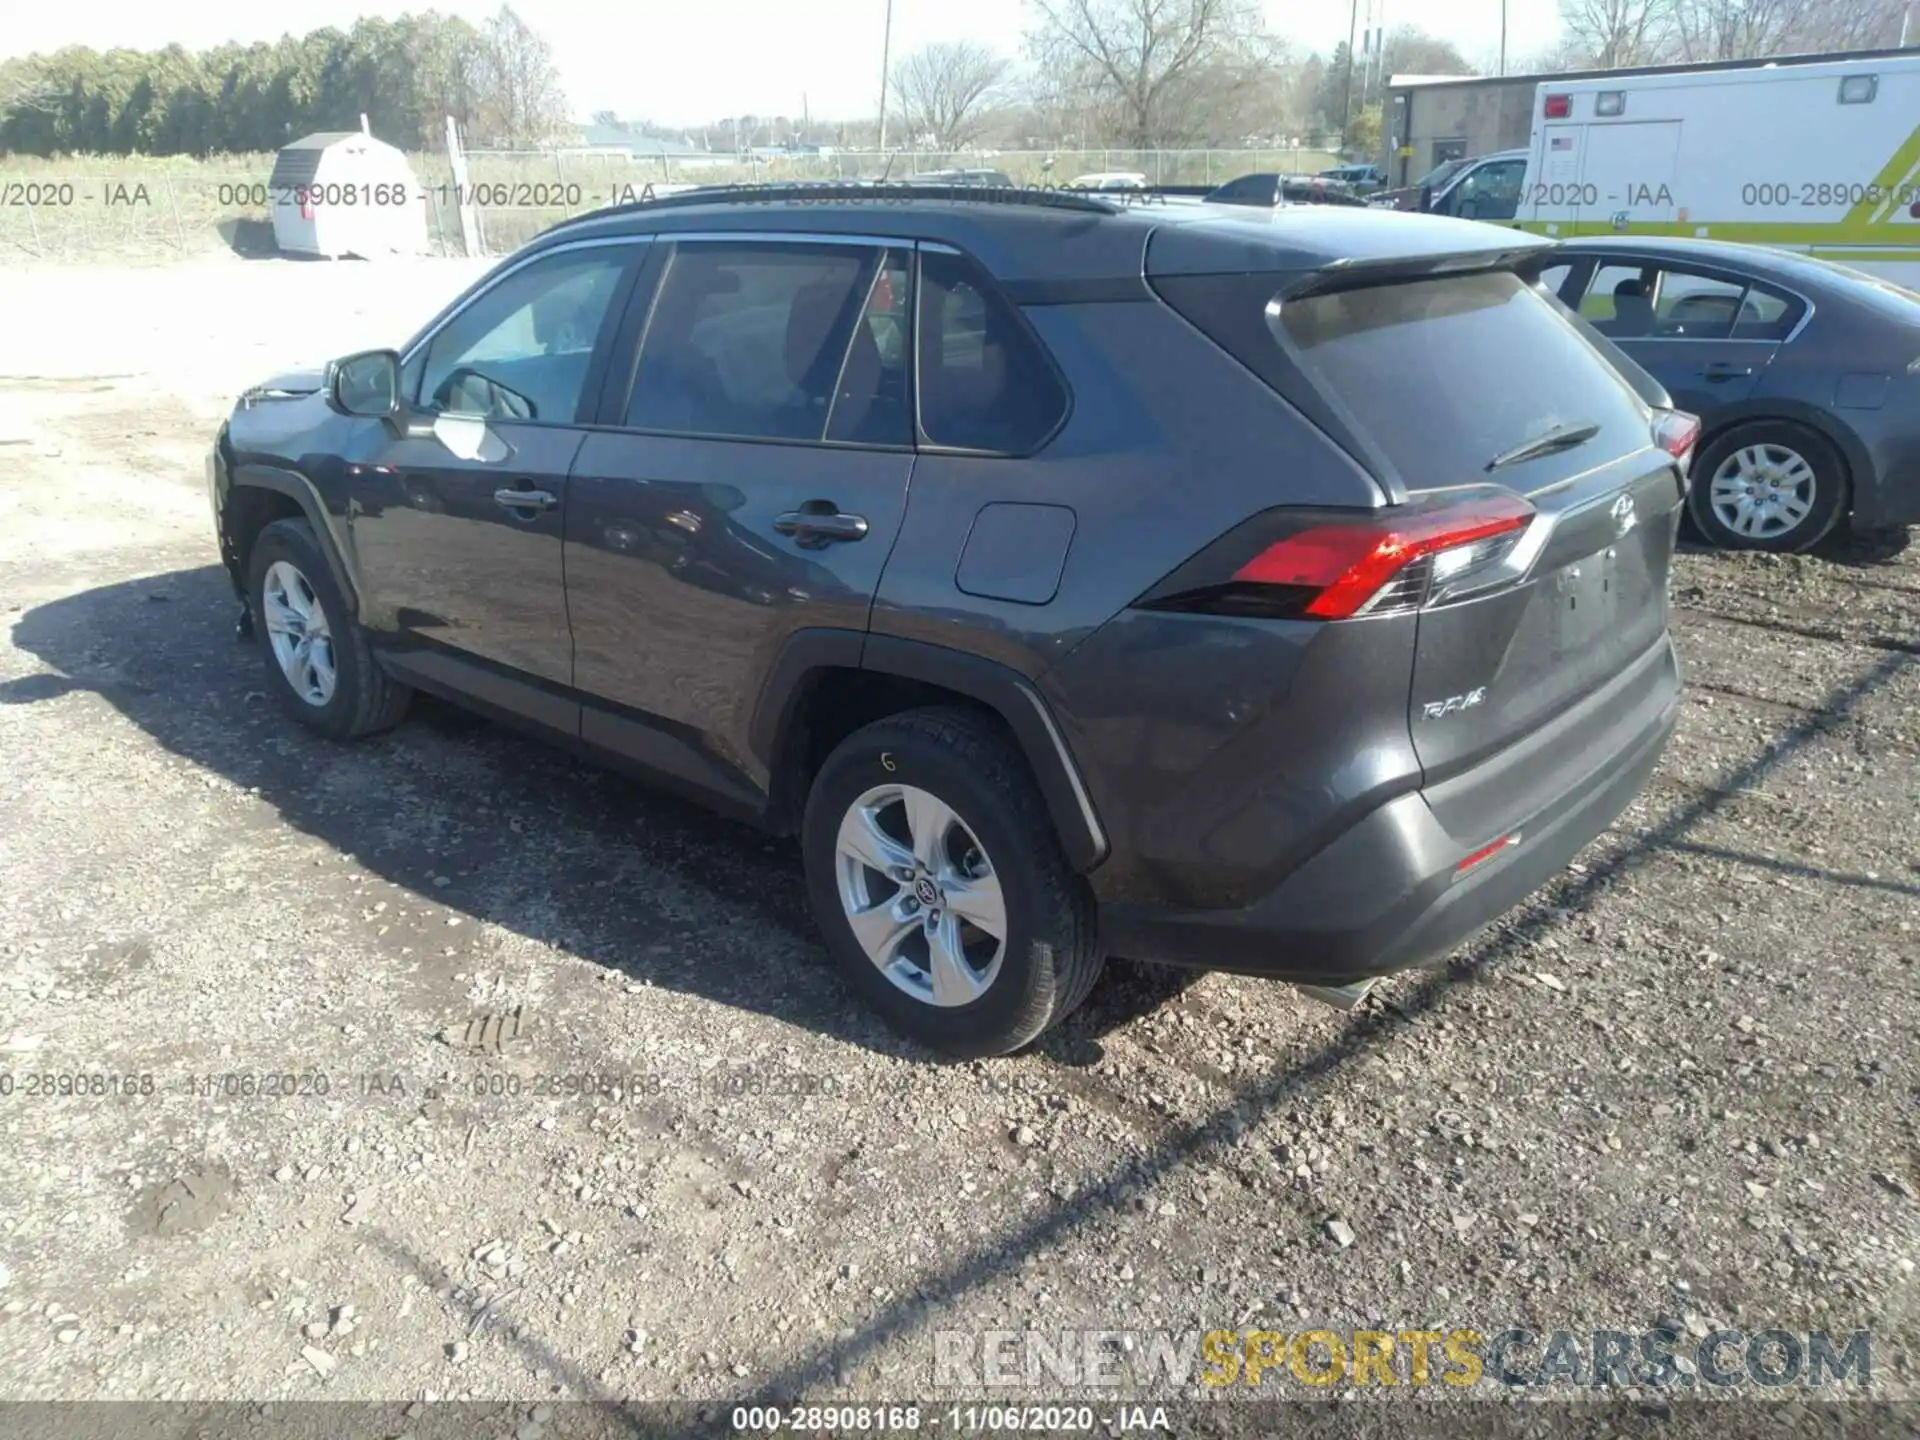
(880, 192)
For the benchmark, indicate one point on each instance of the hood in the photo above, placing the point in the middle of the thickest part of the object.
(290, 385)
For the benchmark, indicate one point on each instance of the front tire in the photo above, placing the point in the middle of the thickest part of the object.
(1770, 486)
(941, 890)
(319, 665)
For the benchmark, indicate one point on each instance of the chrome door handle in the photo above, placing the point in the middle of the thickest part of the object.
(816, 528)
(525, 499)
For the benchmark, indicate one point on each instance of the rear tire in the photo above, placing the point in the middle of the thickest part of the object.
(333, 684)
(916, 826)
(1767, 485)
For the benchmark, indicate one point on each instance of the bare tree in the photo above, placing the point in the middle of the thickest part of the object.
(943, 91)
(521, 102)
(1139, 59)
(1611, 33)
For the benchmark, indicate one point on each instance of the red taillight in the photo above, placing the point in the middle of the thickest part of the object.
(1558, 107)
(1350, 565)
(1675, 432)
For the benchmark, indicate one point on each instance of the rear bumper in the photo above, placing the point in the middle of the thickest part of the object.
(1388, 893)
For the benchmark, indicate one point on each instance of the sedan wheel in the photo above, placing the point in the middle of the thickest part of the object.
(297, 629)
(921, 895)
(1763, 492)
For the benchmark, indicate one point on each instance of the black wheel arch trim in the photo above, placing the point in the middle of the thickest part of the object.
(999, 687)
(303, 492)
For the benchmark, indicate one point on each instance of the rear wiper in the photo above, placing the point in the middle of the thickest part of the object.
(1561, 437)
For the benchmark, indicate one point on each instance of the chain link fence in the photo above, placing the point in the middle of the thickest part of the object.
(149, 210)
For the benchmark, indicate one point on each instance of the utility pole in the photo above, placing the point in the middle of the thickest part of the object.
(1503, 37)
(886, 45)
(1346, 104)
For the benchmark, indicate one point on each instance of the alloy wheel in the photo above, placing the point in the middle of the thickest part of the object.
(298, 631)
(1761, 492)
(921, 895)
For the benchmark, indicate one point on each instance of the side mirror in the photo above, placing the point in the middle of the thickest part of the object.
(366, 384)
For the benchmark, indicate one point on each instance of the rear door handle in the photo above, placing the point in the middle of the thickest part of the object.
(814, 528)
(1723, 370)
(525, 499)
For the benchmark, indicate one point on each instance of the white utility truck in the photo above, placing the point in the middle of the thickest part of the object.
(1821, 157)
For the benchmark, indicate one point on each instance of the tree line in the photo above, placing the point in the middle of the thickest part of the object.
(1602, 34)
(406, 76)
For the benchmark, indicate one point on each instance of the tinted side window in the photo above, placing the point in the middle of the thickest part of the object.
(520, 350)
(873, 403)
(749, 340)
(985, 383)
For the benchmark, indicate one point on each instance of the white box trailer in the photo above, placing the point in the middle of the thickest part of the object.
(338, 193)
(1822, 158)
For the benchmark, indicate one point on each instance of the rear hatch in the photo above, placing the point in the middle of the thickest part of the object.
(1470, 395)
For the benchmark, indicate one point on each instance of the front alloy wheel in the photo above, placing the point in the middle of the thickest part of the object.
(298, 631)
(921, 895)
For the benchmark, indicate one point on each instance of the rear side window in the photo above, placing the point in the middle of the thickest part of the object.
(750, 340)
(1446, 375)
(985, 383)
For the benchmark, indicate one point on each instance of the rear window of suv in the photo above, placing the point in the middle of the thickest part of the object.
(1442, 376)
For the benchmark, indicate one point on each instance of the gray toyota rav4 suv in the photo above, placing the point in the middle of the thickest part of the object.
(1281, 592)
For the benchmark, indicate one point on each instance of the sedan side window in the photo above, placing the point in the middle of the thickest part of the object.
(758, 341)
(1765, 315)
(1619, 301)
(520, 350)
(1690, 306)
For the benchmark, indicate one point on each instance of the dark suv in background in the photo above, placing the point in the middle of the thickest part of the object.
(1280, 592)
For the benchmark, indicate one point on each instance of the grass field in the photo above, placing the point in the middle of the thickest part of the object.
(135, 208)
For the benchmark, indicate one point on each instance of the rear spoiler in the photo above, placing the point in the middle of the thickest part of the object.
(1357, 274)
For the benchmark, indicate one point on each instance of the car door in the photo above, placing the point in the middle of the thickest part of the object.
(458, 532)
(1707, 335)
(747, 481)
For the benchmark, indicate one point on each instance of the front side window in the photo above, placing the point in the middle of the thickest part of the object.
(520, 350)
(1492, 192)
(752, 341)
(985, 383)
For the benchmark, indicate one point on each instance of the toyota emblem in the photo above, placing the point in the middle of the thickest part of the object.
(1624, 518)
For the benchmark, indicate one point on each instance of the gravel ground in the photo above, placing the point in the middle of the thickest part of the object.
(1680, 1085)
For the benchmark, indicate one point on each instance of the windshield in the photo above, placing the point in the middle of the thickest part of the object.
(1440, 173)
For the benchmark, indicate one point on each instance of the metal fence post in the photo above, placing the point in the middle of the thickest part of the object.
(173, 203)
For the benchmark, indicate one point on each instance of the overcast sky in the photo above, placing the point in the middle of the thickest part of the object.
(684, 63)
